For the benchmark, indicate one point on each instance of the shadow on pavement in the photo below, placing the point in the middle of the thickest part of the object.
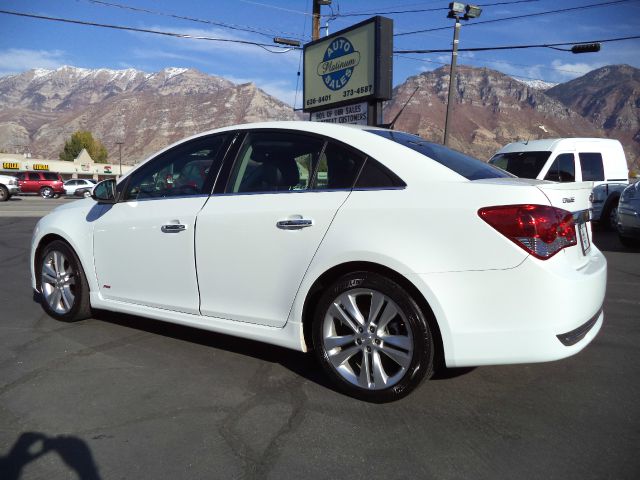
(30, 446)
(303, 364)
(608, 241)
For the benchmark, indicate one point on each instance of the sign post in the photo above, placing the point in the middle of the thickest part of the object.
(349, 74)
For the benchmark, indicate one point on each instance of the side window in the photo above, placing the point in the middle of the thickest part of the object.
(21, 176)
(338, 168)
(275, 162)
(376, 175)
(563, 169)
(182, 171)
(591, 166)
(50, 176)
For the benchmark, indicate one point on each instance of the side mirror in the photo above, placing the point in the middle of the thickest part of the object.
(105, 191)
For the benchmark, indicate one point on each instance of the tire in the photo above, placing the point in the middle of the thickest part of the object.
(609, 218)
(86, 194)
(4, 194)
(62, 283)
(46, 192)
(395, 345)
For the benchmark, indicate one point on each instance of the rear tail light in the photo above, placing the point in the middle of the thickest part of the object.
(540, 230)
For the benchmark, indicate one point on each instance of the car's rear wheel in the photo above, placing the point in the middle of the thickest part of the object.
(62, 282)
(4, 194)
(86, 194)
(46, 192)
(610, 215)
(372, 338)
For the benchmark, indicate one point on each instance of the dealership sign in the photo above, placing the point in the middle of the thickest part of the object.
(350, 66)
(348, 114)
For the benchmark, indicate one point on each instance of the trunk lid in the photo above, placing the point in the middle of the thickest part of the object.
(574, 197)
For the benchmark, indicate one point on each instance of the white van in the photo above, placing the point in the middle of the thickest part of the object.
(598, 160)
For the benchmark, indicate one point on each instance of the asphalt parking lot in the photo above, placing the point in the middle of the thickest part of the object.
(119, 396)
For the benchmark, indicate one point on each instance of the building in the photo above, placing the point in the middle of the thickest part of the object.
(82, 167)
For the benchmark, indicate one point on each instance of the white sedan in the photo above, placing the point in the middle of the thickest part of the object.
(379, 251)
(70, 186)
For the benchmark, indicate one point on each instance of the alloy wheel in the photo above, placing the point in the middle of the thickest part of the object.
(58, 282)
(367, 339)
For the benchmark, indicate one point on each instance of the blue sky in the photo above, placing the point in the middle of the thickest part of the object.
(29, 43)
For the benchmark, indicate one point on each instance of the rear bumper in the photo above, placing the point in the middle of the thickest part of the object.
(518, 315)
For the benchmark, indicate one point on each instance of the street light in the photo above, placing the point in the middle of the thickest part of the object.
(286, 41)
(458, 11)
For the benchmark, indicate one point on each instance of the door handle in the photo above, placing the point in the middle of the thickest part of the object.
(294, 224)
(173, 228)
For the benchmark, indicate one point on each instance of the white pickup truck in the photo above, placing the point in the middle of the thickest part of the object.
(598, 160)
(8, 186)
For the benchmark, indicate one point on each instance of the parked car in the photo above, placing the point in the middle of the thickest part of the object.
(46, 184)
(376, 249)
(70, 186)
(8, 186)
(83, 192)
(596, 160)
(629, 216)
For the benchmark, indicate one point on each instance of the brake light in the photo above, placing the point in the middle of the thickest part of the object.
(541, 230)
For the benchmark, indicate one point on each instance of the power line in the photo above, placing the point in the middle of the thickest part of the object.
(528, 15)
(516, 47)
(146, 30)
(243, 28)
(421, 10)
(488, 60)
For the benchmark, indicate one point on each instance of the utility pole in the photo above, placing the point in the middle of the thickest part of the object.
(452, 78)
(456, 9)
(120, 154)
(315, 31)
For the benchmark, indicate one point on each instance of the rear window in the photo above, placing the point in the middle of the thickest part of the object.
(469, 167)
(50, 176)
(521, 164)
(591, 165)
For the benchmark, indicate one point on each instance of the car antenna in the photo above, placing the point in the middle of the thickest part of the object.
(393, 122)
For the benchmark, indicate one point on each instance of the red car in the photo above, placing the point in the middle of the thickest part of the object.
(47, 184)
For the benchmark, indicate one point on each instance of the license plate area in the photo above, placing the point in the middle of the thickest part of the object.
(583, 232)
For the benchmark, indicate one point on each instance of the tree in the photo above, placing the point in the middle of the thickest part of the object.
(83, 139)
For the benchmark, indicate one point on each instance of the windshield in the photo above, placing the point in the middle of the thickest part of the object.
(521, 164)
(469, 167)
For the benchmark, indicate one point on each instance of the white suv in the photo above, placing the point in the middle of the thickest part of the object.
(8, 186)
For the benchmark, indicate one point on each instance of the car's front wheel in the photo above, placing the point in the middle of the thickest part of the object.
(46, 192)
(371, 338)
(63, 285)
(4, 193)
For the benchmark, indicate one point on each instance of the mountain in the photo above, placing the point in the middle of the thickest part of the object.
(537, 84)
(610, 98)
(40, 109)
(491, 109)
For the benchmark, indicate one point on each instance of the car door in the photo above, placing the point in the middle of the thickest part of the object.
(256, 237)
(144, 244)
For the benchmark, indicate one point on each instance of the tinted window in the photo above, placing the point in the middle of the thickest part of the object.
(469, 167)
(521, 164)
(182, 171)
(376, 175)
(50, 176)
(591, 166)
(563, 169)
(338, 167)
(275, 162)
